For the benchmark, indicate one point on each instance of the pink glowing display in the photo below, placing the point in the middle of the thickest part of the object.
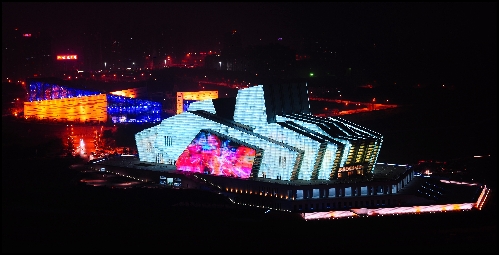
(210, 154)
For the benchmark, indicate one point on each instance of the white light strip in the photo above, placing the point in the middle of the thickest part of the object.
(388, 211)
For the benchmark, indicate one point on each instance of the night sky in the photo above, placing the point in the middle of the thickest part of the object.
(448, 42)
(441, 43)
(451, 26)
(397, 43)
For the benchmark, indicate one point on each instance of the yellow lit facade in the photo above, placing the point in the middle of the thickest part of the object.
(198, 96)
(131, 93)
(79, 109)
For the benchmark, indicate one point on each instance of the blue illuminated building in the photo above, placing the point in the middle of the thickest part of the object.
(47, 91)
(128, 110)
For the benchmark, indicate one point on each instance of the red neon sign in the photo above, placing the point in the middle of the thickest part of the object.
(67, 57)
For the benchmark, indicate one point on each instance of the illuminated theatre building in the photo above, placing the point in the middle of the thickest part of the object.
(49, 101)
(265, 148)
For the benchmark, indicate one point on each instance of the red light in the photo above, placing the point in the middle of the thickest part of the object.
(67, 57)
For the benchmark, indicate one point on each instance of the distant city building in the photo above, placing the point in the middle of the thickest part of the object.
(51, 101)
(131, 93)
(185, 99)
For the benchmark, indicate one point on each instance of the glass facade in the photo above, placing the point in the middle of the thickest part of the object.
(131, 110)
(47, 91)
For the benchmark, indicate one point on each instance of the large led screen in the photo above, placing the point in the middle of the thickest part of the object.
(211, 154)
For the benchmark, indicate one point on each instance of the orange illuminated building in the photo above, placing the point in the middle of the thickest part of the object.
(185, 98)
(131, 93)
(79, 109)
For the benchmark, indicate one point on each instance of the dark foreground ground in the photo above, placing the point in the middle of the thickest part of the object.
(45, 210)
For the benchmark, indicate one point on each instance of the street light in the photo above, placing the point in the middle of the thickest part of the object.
(220, 65)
